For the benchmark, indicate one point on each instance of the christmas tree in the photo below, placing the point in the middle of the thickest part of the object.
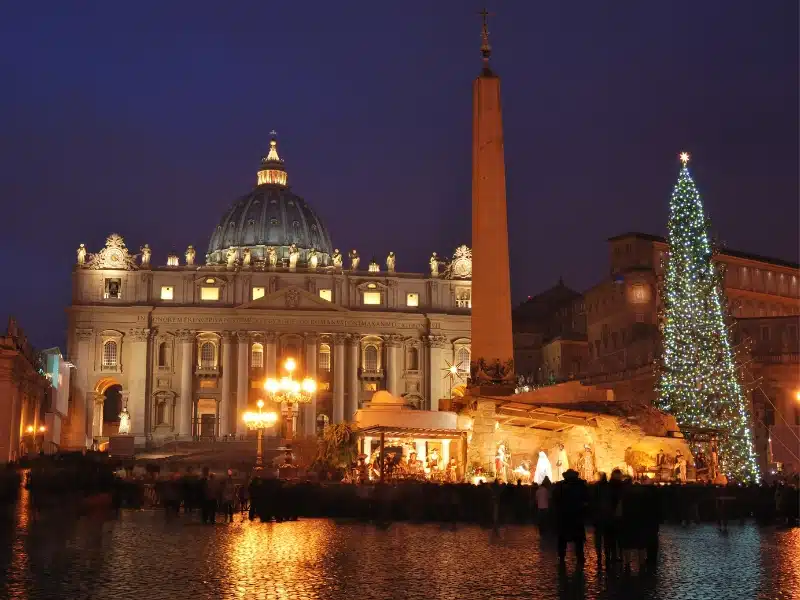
(698, 381)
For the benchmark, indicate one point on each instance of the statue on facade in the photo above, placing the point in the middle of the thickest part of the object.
(313, 259)
(390, 261)
(124, 422)
(190, 254)
(272, 257)
(562, 463)
(231, 257)
(81, 254)
(434, 263)
(337, 259)
(146, 253)
(294, 255)
(246, 257)
(354, 260)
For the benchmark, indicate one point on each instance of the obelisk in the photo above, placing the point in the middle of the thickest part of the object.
(492, 368)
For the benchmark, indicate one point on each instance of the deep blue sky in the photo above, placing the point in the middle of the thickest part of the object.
(149, 118)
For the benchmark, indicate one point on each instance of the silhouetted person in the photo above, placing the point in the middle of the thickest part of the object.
(570, 499)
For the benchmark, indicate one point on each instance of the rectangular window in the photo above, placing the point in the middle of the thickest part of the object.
(764, 334)
(166, 292)
(326, 295)
(113, 289)
(370, 386)
(209, 293)
(373, 298)
(208, 383)
(258, 292)
(323, 386)
(412, 299)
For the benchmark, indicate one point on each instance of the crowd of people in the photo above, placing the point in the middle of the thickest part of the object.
(624, 515)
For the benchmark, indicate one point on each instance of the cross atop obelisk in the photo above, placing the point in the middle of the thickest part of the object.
(492, 368)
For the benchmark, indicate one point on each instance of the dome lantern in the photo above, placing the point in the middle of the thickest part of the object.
(272, 171)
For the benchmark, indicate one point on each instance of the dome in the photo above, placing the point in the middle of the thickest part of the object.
(271, 215)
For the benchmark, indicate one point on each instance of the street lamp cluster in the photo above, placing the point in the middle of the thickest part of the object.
(289, 394)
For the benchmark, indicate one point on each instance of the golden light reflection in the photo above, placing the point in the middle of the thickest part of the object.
(297, 548)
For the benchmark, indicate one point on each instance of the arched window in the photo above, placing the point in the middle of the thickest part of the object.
(207, 356)
(370, 358)
(110, 354)
(462, 358)
(162, 354)
(257, 356)
(412, 359)
(324, 357)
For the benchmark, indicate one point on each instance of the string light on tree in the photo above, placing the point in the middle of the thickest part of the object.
(698, 379)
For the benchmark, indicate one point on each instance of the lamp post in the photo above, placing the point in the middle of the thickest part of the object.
(289, 393)
(259, 421)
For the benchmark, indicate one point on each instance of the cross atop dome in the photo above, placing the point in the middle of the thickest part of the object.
(486, 49)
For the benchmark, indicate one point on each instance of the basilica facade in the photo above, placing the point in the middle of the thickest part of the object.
(186, 347)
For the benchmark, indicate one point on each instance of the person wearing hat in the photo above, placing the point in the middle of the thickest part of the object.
(570, 501)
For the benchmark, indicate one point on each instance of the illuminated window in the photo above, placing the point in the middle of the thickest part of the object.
(412, 299)
(258, 292)
(207, 356)
(372, 286)
(323, 386)
(209, 293)
(257, 356)
(113, 288)
(211, 280)
(209, 383)
(326, 295)
(373, 298)
(464, 298)
(110, 354)
(324, 357)
(172, 260)
(371, 358)
(462, 358)
(370, 386)
(166, 292)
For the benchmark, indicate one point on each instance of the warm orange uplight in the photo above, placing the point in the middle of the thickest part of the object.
(290, 365)
(29, 429)
(797, 395)
(42, 428)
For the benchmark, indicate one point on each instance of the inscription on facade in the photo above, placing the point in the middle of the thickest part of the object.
(267, 321)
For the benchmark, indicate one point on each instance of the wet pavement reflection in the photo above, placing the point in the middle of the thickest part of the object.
(142, 555)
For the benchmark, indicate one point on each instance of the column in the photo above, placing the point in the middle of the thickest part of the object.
(353, 383)
(227, 370)
(393, 364)
(137, 341)
(367, 449)
(338, 378)
(310, 412)
(80, 410)
(445, 453)
(187, 340)
(242, 386)
(270, 354)
(97, 403)
(435, 345)
(421, 454)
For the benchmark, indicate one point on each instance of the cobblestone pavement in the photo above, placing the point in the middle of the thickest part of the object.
(142, 556)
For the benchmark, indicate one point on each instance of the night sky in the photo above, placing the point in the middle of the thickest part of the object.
(149, 118)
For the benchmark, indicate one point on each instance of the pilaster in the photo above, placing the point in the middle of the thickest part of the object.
(338, 378)
(226, 340)
(353, 382)
(138, 340)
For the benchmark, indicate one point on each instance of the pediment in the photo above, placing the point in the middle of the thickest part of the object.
(293, 298)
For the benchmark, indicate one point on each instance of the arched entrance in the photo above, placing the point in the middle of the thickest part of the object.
(107, 406)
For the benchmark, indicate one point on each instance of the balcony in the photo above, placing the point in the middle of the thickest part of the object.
(207, 371)
(370, 374)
